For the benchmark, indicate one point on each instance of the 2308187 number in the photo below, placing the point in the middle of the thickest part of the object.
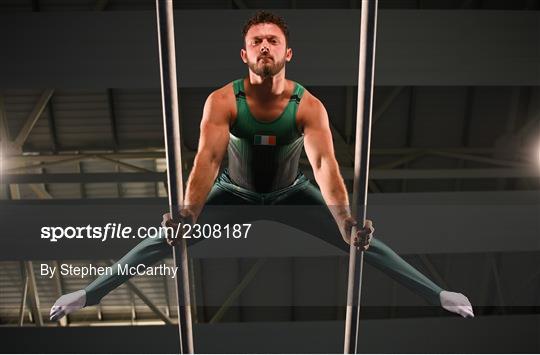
(208, 231)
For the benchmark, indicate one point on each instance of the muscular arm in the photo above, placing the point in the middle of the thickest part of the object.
(213, 142)
(320, 152)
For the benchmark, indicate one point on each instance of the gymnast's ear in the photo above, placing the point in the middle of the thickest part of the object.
(288, 54)
(243, 55)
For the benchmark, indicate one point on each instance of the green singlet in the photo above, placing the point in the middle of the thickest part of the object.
(263, 156)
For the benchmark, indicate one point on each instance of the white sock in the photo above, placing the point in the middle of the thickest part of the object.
(68, 303)
(456, 303)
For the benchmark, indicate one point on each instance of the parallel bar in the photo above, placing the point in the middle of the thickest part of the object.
(173, 144)
(366, 69)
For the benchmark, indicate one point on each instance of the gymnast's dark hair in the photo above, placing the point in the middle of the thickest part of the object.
(266, 17)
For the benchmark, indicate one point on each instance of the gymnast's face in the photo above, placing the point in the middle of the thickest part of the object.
(266, 50)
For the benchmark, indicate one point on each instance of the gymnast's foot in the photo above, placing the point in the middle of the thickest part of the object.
(456, 303)
(67, 304)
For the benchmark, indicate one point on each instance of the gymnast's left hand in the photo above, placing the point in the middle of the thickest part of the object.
(361, 237)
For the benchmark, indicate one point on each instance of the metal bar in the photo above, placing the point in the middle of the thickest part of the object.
(24, 294)
(58, 282)
(148, 302)
(237, 291)
(39, 189)
(168, 312)
(82, 190)
(157, 154)
(112, 117)
(366, 66)
(124, 164)
(341, 148)
(52, 126)
(133, 311)
(119, 188)
(83, 178)
(374, 187)
(40, 192)
(193, 289)
(33, 292)
(479, 159)
(137, 291)
(400, 161)
(173, 144)
(4, 142)
(199, 289)
(347, 172)
(387, 103)
(33, 117)
(51, 162)
(156, 185)
(389, 174)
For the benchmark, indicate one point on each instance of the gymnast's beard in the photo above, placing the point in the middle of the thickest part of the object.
(266, 70)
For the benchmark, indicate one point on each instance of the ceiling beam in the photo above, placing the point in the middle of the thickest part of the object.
(347, 172)
(387, 103)
(33, 117)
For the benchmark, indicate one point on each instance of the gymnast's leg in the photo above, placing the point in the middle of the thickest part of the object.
(320, 223)
(147, 252)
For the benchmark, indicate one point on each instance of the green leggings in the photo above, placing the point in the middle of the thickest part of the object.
(316, 220)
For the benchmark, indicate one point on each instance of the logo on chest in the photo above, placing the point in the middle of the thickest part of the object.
(264, 140)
